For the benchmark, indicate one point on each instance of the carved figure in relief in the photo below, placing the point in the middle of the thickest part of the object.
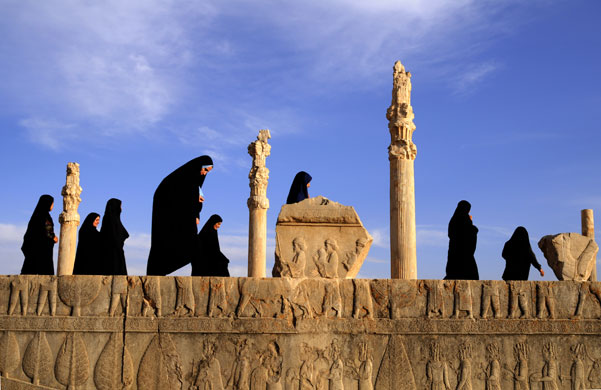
(152, 302)
(300, 302)
(578, 369)
(463, 299)
(118, 294)
(240, 377)
(519, 298)
(437, 370)
(217, 299)
(326, 259)
(545, 298)
(585, 288)
(363, 369)
(549, 376)
(47, 293)
(594, 375)
(520, 374)
(490, 299)
(296, 267)
(332, 302)
(267, 297)
(19, 292)
(184, 304)
(493, 370)
(336, 372)
(435, 304)
(269, 373)
(306, 373)
(362, 305)
(208, 375)
(352, 256)
(464, 377)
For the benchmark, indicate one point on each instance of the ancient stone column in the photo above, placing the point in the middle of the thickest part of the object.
(69, 220)
(588, 230)
(401, 154)
(258, 205)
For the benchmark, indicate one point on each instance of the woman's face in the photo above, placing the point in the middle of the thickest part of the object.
(96, 221)
(51, 206)
(308, 184)
(217, 225)
(204, 171)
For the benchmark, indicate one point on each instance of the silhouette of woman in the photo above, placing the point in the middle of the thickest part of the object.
(88, 258)
(463, 235)
(39, 240)
(299, 188)
(518, 256)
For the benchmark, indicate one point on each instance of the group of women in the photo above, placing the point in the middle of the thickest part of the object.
(175, 242)
(461, 263)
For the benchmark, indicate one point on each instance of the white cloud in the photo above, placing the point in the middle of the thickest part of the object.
(11, 233)
(432, 237)
(473, 76)
(47, 132)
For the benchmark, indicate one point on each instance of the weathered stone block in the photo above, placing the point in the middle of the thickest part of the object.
(571, 256)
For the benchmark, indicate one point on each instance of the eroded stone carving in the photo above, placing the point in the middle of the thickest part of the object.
(549, 377)
(37, 360)
(69, 220)
(332, 302)
(151, 302)
(586, 289)
(490, 300)
(519, 299)
(578, 368)
(184, 302)
(72, 367)
(47, 294)
(300, 231)
(402, 296)
(493, 369)
(114, 367)
(208, 372)
(269, 372)
(463, 299)
(19, 293)
(118, 294)
(545, 299)
(362, 304)
(464, 376)
(241, 371)
(571, 256)
(362, 367)
(78, 291)
(9, 354)
(520, 373)
(435, 303)
(218, 305)
(160, 367)
(437, 370)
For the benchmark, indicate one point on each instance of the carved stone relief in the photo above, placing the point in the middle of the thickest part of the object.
(118, 295)
(463, 299)
(519, 302)
(19, 293)
(490, 300)
(545, 300)
(325, 236)
(571, 256)
(78, 291)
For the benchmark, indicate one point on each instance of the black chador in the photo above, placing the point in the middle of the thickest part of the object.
(463, 235)
(298, 189)
(210, 261)
(39, 240)
(518, 256)
(88, 258)
(175, 206)
(113, 238)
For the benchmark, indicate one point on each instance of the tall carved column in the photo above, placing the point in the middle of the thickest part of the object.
(69, 220)
(588, 230)
(258, 205)
(401, 153)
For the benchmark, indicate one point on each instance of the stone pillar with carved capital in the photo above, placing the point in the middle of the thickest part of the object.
(258, 205)
(401, 154)
(69, 220)
(588, 230)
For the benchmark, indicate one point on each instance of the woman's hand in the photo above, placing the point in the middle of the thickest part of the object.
(542, 273)
(201, 198)
(55, 239)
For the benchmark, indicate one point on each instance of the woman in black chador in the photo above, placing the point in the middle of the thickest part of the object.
(299, 188)
(210, 261)
(518, 256)
(113, 238)
(88, 258)
(39, 240)
(461, 263)
(176, 204)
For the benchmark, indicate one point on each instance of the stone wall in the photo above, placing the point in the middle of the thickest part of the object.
(85, 332)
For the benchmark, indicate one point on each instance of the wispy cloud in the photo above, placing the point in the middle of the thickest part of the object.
(469, 79)
(47, 132)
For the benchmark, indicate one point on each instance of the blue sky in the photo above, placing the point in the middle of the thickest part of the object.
(506, 94)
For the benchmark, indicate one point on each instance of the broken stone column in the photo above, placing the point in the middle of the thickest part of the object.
(401, 154)
(69, 220)
(588, 230)
(258, 205)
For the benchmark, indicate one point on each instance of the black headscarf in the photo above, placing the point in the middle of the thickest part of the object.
(298, 189)
(175, 208)
(38, 241)
(461, 263)
(113, 237)
(88, 258)
(518, 255)
(210, 261)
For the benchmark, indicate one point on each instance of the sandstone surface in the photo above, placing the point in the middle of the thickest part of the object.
(571, 256)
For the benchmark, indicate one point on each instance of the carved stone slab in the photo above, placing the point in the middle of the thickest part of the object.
(191, 333)
(319, 238)
(571, 256)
